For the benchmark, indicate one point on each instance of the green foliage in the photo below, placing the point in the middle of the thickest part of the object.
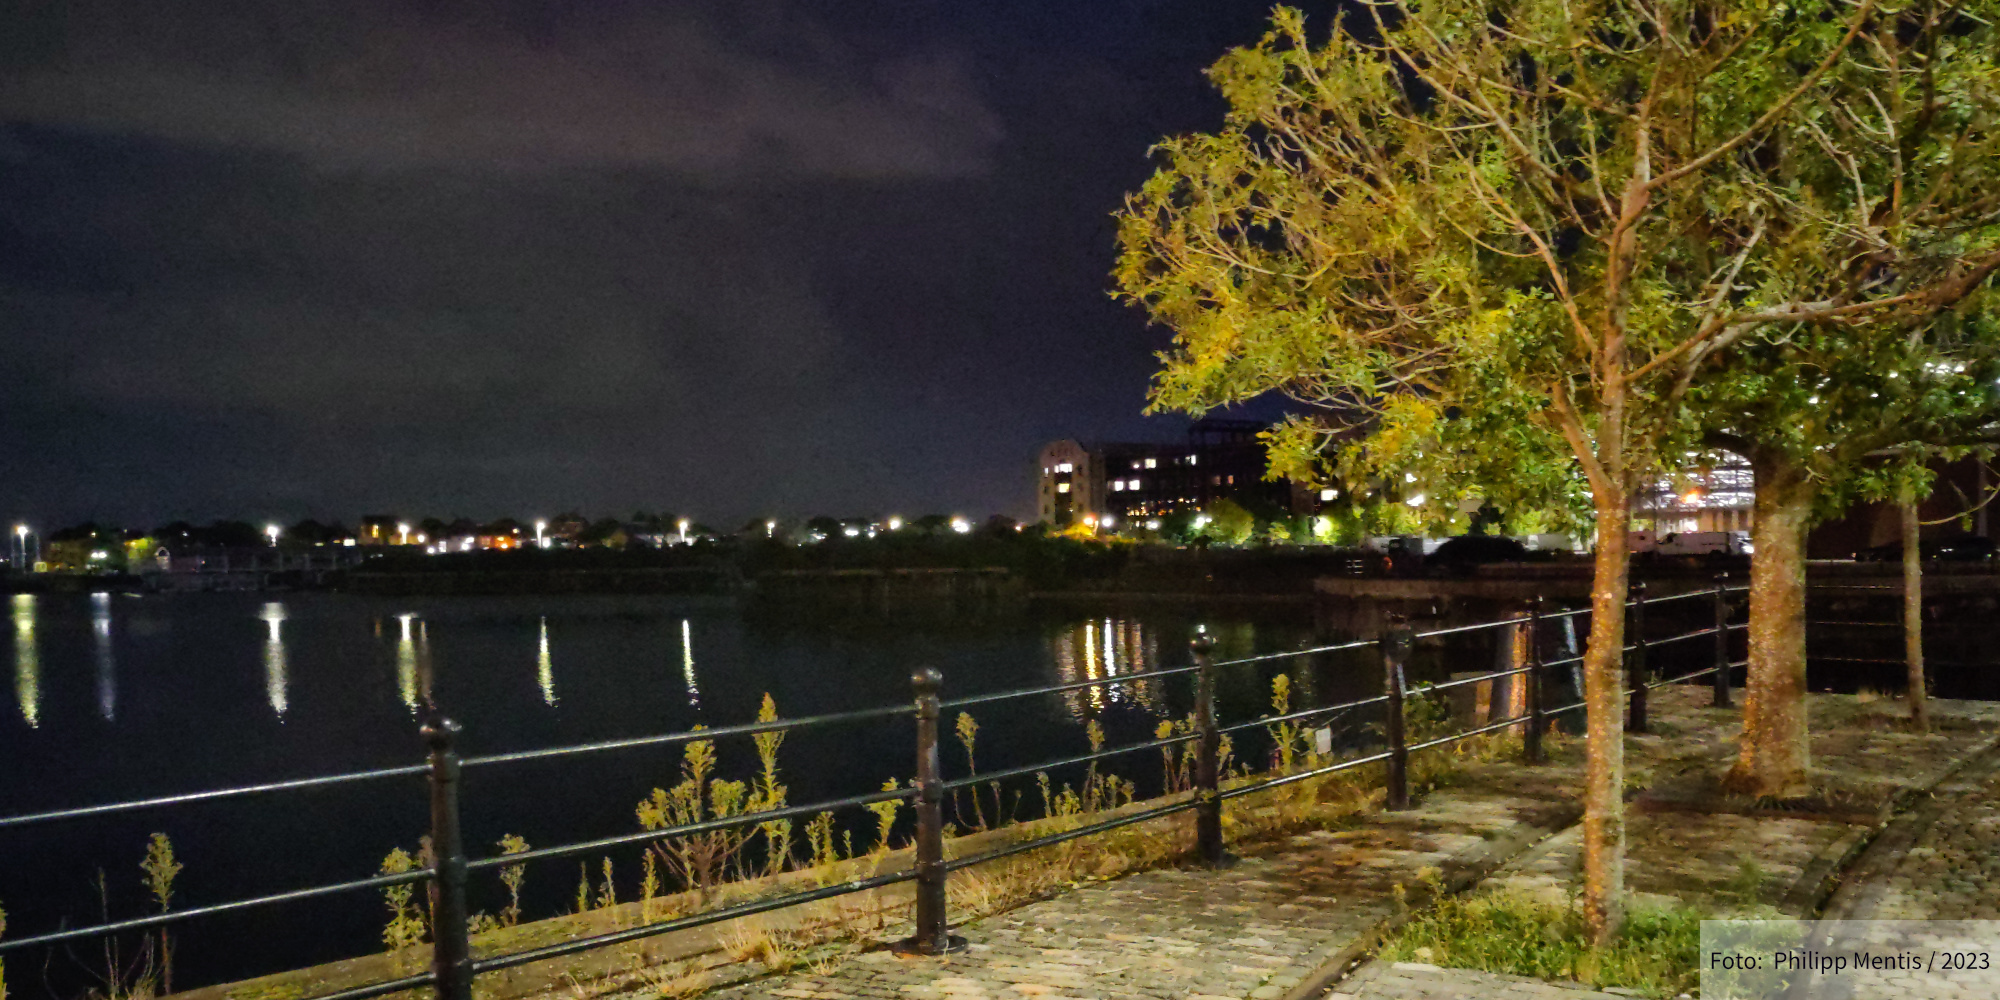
(1227, 522)
(161, 868)
(768, 793)
(699, 859)
(885, 816)
(1515, 934)
(1509, 248)
(407, 925)
(512, 876)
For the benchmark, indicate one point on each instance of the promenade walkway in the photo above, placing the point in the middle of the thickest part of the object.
(1297, 913)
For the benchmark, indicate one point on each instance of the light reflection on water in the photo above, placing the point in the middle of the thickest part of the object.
(274, 657)
(406, 660)
(687, 663)
(545, 668)
(1103, 649)
(27, 663)
(107, 667)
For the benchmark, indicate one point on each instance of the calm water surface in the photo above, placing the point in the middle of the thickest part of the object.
(121, 696)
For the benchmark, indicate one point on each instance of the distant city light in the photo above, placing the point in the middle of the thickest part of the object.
(1153, 524)
(274, 531)
(1105, 521)
(961, 525)
(683, 525)
(851, 531)
(895, 524)
(540, 528)
(99, 556)
(770, 529)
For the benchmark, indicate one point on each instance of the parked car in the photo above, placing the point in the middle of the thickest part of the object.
(1969, 548)
(1691, 543)
(1464, 553)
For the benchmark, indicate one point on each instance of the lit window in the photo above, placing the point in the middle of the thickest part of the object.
(1064, 467)
(1191, 459)
(1134, 486)
(1150, 463)
(1232, 480)
(1326, 495)
(1062, 487)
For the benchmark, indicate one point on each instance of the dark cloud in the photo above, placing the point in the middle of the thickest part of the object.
(278, 260)
(374, 84)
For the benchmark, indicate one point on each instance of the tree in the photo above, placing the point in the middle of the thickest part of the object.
(1827, 415)
(1227, 522)
(1542, 216)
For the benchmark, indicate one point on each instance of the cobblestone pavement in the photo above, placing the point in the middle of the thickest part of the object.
(1415, 981)
(1255, 930)
(1264, 929)
(1939, 862)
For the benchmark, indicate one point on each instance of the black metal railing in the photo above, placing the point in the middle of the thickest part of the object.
(454, 966)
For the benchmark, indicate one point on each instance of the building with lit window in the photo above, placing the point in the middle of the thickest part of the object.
(1715, 497)
(1134, 481)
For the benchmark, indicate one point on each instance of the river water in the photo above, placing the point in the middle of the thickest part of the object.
(123, 696)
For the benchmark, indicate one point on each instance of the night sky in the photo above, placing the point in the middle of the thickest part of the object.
(278, 260)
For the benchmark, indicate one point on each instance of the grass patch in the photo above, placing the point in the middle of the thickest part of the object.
(1515, 934)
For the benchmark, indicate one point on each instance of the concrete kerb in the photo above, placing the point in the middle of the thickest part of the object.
(1847, 895)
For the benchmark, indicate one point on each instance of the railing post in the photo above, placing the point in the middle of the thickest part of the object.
(1208, 758)
(1538, 721)
(933, 933)
(1721, 675)
(1395, 645)
(1637, 672)
(451, 951)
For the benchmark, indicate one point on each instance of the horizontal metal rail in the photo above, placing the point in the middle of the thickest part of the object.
(380, 989)
(1274, 720)
(177, 916)
(1056, 838)
(1677, 678)
(1462, 681)
(81, 812)
(509, 961)
(1335, 648)
(1456, 629)
(1095, 755)
(1230, 793)
(685, 829)
(1468, 734)
(692, 735)
(981, 699)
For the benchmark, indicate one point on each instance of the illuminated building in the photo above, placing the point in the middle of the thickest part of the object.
(1134, 482)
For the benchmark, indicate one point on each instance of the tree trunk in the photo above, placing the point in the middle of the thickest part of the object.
(1773, 752)
(1913, 616)
(1604, 742)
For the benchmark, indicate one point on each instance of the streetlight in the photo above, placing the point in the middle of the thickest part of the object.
(402, 534)
(540, 528)
(770, 529)
(273, 531)
(961, 525)
(895, 524)
(683, 525)
(21, 545)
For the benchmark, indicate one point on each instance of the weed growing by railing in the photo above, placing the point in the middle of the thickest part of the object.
(160, 868)
(406, 926)
(512, 876)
